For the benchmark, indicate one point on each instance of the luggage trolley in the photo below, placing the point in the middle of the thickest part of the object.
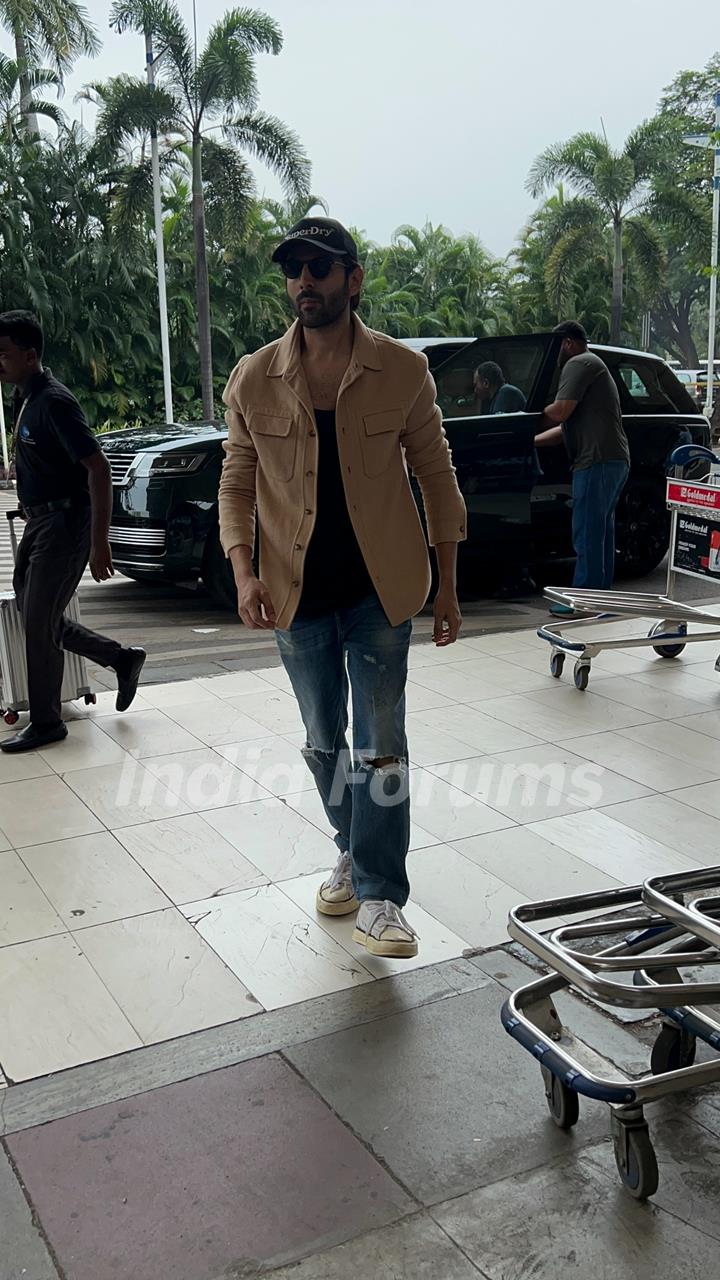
(694, 552)
(660, 939)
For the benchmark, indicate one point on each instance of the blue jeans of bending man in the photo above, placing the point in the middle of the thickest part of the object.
(356, 650)
(595, 492)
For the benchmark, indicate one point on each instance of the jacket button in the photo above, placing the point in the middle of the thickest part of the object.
(308, 473)
(312, 433)
(296, 582)
(308, 511)
(298, 546)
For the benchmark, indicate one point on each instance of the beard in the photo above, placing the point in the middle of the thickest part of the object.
(327, 311)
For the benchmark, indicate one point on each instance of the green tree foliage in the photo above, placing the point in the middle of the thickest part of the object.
(613, 195)
(45, 32)
(199, 90)
(77, 230)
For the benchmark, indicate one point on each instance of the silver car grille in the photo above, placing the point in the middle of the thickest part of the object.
(120, 464)
(137, 536)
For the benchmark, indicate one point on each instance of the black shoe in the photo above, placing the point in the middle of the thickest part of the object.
(29, 738)
(128, 670)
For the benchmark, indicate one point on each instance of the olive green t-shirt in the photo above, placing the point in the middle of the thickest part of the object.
(594, 432)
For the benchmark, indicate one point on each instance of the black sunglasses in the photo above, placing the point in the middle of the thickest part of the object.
(319, 267)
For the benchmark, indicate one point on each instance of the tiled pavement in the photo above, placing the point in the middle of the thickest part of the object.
(207, 1081)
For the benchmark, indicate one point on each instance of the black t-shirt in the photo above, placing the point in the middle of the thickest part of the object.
(52, 437)
(335, 574)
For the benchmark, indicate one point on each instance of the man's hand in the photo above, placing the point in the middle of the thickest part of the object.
(448, 618)
(101, 565)
(254, 604)
(553, 435)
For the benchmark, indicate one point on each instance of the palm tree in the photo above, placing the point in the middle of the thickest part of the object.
(197, 91)
(58, 31)
(614, 190)
(14, 107)
(438, 283)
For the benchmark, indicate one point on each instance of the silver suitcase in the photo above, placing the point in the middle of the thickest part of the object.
(13, 664)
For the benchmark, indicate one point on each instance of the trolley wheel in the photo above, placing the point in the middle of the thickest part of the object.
(557, 662)
(563, 1103)
(581, 675)
(636, 1160)
(11, 717)
(674, 1049)
(667, 650)
(90, 699)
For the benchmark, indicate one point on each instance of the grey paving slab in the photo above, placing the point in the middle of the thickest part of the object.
(23, 1255)
(112, 1079)
(612, 1040)
(505, 967)
(573, 1219)
(414, 1249)
(703, 1106)
(443, 1095)
(223, 1175)
(688, 1156)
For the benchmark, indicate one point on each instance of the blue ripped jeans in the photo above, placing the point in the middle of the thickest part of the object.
(357, 650)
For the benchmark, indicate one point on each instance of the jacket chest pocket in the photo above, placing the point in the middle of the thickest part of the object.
(275, 441)
(381, 440)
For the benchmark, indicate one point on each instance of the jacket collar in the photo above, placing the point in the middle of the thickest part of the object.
(286, 361)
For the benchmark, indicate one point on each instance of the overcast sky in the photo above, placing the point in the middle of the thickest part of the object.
(413, 110)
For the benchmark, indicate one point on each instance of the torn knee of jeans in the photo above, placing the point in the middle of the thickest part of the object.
(381, 764)
(321, 754)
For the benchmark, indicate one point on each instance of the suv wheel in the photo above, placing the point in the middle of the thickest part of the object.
(642, 528)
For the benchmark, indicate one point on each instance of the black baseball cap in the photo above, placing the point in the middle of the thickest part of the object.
(326, 234)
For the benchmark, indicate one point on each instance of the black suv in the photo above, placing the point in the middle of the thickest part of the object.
(165, 478)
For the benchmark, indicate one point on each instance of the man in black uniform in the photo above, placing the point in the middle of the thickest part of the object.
(65, 492)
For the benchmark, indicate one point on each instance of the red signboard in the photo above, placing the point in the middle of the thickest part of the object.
(702, 496)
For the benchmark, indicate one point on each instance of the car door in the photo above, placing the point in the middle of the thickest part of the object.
(493, 450)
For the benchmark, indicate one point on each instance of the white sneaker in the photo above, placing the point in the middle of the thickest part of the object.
(336, 896)
(383, 930)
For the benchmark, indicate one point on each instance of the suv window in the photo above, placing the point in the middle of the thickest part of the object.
(518, 361)
(638, 388)
(647, 386)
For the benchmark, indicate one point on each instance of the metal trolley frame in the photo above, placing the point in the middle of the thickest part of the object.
(660, 936)
(668, 636)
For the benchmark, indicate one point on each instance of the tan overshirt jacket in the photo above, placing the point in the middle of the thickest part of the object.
(386, 416)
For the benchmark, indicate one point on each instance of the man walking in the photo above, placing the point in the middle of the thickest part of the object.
(586, 415)
(321, 427)
(65, 494)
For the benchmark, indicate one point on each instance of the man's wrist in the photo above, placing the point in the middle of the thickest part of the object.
(241, 561)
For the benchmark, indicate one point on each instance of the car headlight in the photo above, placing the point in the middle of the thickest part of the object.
(176, 464)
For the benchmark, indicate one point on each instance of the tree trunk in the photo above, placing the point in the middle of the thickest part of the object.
(686, 342)
(202, 283)
(671, 323)
(32, 124)
(617, 285)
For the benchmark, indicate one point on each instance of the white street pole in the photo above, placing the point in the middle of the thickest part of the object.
(159, 242)
(3, 433)
(712, 311)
